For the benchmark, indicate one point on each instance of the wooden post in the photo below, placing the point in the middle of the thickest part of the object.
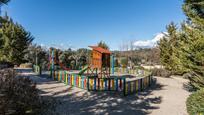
(98, 83)
(109, 83)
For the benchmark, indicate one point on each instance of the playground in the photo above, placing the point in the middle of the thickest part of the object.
(100, 88)
(164, 96)
(100, 74)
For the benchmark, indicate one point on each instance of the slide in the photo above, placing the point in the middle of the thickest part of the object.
(62, 66)
(83, 70)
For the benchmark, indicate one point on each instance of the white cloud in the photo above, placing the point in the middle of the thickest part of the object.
(149, 43)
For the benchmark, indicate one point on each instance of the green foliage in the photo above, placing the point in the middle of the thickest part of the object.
(2, 2)
(74, 59)
(195, 103)
(103, 45)
(14, 41)
(193, 41)
(116, 63)
(194, 11)
(170, 50)
(136, 60)
(124, 62)
(183, 50)
(161, 72)
(193, 53)
(37, 55)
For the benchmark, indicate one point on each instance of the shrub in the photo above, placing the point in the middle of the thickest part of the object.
(195, 103)
(124, 62)
(161, 72)
(19, 95)
(26, 65)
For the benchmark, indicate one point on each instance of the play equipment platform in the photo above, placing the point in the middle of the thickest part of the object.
(97, 76)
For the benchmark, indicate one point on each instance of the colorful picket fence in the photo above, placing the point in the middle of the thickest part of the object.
(90, 83)
(137, 85)
(106, 84)
(74, 80)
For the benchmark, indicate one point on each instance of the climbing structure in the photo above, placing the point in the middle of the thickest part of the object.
(54, 60)
(98, 67)
(101, 61)
(96, 75)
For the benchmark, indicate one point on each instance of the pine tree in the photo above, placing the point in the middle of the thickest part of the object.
(103, 45)
(193, 41)
(170, 50)
(164, 52)
(194, 10)
(3, 2)
(15, 40)
(183, 51)
(193, 54)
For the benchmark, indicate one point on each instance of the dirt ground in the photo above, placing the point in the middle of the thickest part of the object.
(166, 97)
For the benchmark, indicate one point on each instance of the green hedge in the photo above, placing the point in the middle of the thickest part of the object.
(195, 103)
(161, 72)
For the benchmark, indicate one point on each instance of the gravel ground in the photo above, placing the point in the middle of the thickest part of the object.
(166, 97)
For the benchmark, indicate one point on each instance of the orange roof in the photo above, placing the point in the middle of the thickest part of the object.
(101, 50)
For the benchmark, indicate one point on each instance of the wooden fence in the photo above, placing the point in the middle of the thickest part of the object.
(137, 85)
(90, 83)
(106, 84)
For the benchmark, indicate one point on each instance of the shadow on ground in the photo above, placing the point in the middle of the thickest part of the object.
(99, 103)
(112, 103)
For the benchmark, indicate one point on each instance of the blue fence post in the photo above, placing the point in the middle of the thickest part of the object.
(95, 84)
(116, 84)
(106, 86)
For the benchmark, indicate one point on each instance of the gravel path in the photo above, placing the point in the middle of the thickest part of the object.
(166, 97)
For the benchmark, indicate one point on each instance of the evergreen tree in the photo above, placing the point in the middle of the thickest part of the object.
(170, 50)
(37, 53)
(103, 45)
(193, 53)
(15, 40)
(193, 41)
(184, 51)
(194, 10)
(2, 2)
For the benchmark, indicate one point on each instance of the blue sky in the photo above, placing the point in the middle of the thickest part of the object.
(79, 23)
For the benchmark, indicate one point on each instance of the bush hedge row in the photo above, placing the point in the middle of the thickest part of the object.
(195, 103)
(19, 96)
